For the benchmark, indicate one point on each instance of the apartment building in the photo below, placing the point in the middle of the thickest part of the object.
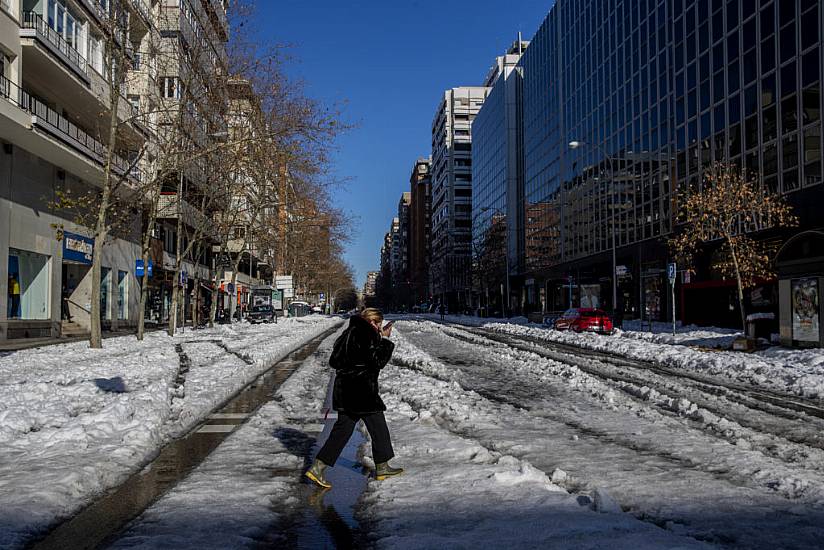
(400, 251)
(420, 214)
(450, 270)
(54, 112)
(369, 285)
(54, 108)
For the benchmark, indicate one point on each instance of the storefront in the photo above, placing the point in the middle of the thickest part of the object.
(29, 285)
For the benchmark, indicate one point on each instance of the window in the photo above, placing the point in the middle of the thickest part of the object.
(134, 100)
(105, 292)
(28, 285)
(122, 295)
(170, 87)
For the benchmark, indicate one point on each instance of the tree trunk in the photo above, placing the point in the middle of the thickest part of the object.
(740, 288)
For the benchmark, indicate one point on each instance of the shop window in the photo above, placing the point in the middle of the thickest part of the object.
(28, 285)
(122, 295)
(105, 292)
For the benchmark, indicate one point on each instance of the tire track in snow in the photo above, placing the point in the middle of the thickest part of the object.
(760, 481)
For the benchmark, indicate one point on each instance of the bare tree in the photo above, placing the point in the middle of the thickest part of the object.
(729, 207)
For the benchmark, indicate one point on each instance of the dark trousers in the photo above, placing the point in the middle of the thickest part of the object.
(342, 431)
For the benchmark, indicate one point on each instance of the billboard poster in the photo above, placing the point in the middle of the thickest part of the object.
(805, 302)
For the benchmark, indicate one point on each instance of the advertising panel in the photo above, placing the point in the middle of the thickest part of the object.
(805, 304)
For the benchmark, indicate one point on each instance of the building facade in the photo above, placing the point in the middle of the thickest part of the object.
(497, 186)
(400, 253)
(420, 215)
(654, 92)
(54, 107)
(54, 111)
(450, 269)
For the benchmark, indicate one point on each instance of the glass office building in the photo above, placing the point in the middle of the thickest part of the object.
(497, 191)
(656, 90)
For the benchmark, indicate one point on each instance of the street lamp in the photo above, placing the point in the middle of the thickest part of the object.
(575, 145)
(505, 305)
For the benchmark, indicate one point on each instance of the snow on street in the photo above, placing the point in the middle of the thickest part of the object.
(509, 437)
(75, 421)
(660, 457)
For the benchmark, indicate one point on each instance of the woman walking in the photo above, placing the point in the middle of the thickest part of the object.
(358, 356)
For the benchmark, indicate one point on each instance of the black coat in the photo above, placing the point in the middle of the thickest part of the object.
(356, 381)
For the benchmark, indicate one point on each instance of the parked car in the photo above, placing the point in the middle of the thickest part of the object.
(584, 319)
(263, 313)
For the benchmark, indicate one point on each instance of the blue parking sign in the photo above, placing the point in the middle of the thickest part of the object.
(672, 269)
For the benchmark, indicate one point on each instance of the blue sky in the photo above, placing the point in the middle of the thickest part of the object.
(389, 61)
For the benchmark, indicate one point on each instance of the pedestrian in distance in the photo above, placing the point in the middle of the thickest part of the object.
(358, 356)
(442, 310)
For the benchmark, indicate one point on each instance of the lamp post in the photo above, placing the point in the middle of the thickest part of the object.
(575, 145)
(505, 305)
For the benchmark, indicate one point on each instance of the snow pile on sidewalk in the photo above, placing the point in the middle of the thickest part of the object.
(247, 490)
(75, 421)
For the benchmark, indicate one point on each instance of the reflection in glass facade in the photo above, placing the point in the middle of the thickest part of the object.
(497, 173)
(656, 90)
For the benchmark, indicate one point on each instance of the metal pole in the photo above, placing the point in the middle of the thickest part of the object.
(506, 256)
(672, 284)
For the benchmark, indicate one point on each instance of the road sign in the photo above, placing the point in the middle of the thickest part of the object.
(283, 282)
(183, 278)
(672, 270)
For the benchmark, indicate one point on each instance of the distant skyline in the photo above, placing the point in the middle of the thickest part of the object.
(388, 64)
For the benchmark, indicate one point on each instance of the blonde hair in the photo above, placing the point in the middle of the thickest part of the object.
(372, 314)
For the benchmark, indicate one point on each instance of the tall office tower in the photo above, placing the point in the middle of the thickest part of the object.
(652, 93)
(450, 269)
(420, 214)
(497, 186)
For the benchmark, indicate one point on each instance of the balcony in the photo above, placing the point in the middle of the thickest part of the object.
(48, 121)
(167, 208)
(33, 26)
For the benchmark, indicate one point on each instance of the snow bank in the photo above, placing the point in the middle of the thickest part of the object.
(76, 421)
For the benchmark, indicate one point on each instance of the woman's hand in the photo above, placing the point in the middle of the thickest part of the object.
(387, 331)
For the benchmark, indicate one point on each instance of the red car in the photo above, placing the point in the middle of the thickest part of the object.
(581, 319)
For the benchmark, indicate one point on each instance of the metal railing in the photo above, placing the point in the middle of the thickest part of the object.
(63, 128)
(33, 20)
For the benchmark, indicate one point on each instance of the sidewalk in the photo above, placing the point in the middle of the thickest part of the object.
(75, 421)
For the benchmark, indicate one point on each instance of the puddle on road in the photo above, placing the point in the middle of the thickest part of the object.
(328, 517)
(105, 517)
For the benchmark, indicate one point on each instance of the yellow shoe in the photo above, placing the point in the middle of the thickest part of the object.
(316, 474)
(384, 470)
